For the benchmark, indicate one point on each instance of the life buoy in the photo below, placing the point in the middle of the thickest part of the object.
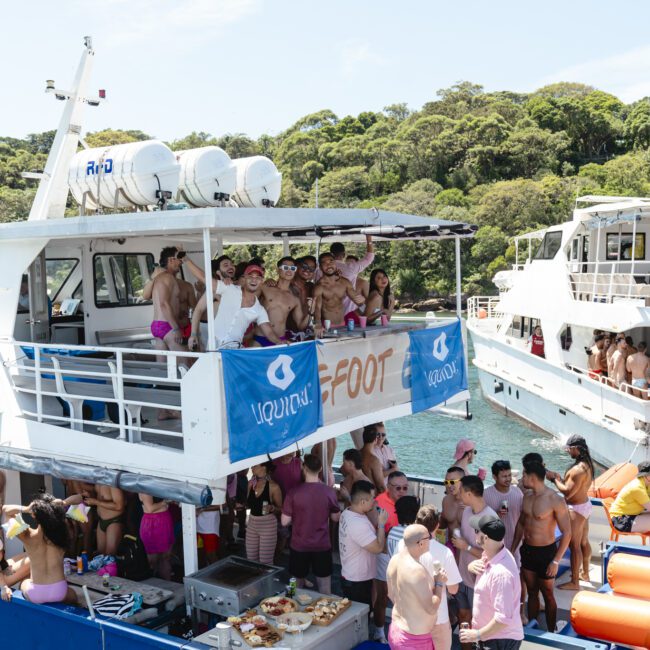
(611, 482)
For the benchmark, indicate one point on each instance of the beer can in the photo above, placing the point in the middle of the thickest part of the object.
(67, 567)
(456, 532)
(350, 324)
(504, 505)
(105, 580)
(293, 585)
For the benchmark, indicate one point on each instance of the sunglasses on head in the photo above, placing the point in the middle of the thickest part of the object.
(180, 255)
(288, 267)
(452, 481)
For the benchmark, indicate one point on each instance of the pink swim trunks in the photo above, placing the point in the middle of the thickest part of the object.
(583, 509)
(53, 593)
(160, 328)
(157, 532)
(399, 639)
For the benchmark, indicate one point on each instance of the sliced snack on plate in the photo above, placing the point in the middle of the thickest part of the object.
(255, 629)
(304, 598)
(295, 621)
(278, 605)
(325, 610)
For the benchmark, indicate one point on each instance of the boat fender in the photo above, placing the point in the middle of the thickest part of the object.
(611, 482)
(619, 619)
(629, 574)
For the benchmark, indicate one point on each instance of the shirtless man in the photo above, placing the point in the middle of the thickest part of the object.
(637, 365)
(543, 509)
(187, 298)
(329, 295)
(111, 505)
(596, 358)
(45, 547)
(616, 367)
(415, 594)
(575, 488)
(369, 461)
(352, 470)
(452, 506)
(303, 281)
(280, 303)
(166, 327)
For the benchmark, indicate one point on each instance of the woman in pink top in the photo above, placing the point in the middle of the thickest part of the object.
(496, 622)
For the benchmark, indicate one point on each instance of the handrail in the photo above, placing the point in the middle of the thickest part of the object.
(623, 387)
(605, 285)
(483, 307)
(47, 365)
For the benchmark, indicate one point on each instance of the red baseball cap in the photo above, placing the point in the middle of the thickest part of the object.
(254, 268)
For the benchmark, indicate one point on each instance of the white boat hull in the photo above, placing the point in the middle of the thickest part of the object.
(558, 401)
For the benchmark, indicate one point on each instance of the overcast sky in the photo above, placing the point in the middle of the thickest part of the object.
(255, 66)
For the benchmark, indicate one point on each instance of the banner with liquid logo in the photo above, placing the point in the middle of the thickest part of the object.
(437, 359)
(273, 397)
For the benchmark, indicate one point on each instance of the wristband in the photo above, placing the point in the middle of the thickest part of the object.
(438, 584)
(478, 635)
(555, 562)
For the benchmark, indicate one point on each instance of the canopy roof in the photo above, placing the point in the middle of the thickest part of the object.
(243, 225)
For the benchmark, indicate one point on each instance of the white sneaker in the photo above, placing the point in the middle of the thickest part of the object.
(380, 637)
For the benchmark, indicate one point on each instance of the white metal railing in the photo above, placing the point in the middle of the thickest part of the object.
(132, 379)
(595, 282)
(642, 394)
(483, 307)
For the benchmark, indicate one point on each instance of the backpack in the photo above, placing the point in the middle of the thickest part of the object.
(132, 562)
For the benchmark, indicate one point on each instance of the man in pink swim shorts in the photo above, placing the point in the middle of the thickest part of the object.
(415, 594)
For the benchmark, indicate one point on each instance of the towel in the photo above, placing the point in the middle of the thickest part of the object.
(119, 607)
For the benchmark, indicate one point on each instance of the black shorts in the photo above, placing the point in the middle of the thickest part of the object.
(537, 558)
(301, 562)
(623, 523)
(359, 592)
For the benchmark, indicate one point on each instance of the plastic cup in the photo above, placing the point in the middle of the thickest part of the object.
(384, 320)
(363, 322)
(327, 324)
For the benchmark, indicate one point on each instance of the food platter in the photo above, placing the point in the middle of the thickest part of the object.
(294, 621)
(326, 610)
(278, 605)
(255, 629)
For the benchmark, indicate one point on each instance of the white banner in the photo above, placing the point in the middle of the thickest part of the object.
(361, 375)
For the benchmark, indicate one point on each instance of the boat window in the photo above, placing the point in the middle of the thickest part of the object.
(566, 338)
(78, 293)
(57, 272)
(515, 326)
(120, 278)
(625, 244)
(550, 245)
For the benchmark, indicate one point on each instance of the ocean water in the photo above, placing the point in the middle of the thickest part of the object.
(425, 443)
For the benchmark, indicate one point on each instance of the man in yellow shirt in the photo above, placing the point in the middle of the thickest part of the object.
(630, 512)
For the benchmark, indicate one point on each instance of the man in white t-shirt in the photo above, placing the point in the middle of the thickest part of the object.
(238, 308)
(360, 543)
(429, 517)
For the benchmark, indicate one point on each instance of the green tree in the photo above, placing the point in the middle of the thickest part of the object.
(108, 137)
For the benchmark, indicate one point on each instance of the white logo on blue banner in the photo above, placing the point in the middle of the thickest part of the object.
(272, 398)
(437, 359)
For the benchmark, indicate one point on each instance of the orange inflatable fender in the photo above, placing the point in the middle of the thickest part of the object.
(482, 313)
(629, 574)
(611, 482)
(610, 617)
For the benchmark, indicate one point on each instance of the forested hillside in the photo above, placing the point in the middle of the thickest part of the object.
(506, 161)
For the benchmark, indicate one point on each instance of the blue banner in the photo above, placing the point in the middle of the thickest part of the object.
(272, 397)
(437, 365)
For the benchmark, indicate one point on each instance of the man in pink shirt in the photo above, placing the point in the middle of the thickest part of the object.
(496, 623)
(349, 270)
(360, 543)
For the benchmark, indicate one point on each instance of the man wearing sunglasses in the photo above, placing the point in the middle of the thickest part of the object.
(396, 487)
(452, 506)
(166, 327)
(280, 303)
(303, 282)
(416, 596)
